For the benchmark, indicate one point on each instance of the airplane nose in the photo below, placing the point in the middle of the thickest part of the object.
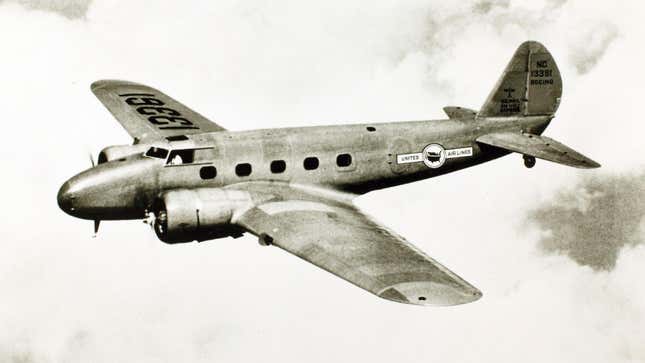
(103, 192)
(66, 198)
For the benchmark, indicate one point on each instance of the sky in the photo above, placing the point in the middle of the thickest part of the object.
(558, 252)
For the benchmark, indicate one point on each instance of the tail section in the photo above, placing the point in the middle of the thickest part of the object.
(530, 85)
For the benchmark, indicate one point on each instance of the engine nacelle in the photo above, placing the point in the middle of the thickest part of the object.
(116, 152)
(198, 214)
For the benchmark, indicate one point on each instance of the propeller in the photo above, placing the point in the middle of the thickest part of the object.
(150, 219)
(97, 222)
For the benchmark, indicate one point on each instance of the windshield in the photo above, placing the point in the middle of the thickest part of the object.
(179, 157)
(157, 152)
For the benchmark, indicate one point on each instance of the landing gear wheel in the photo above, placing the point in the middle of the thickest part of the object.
(529, 161)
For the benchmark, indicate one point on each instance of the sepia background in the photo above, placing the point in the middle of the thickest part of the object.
(557, 252)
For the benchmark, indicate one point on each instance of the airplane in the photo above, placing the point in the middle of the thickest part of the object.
(293, 187)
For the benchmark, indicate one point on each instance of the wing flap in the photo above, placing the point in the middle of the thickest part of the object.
(147, 113)
(342, 240)
(541, 147)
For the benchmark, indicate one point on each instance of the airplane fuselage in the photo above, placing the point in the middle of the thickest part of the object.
(356, 158)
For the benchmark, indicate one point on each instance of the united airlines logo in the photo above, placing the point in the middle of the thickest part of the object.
(434, 155)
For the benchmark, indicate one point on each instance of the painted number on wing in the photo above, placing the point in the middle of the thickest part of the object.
(156, 112)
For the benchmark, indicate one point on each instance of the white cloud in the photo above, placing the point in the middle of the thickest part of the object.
(71, 9)
(68, 297)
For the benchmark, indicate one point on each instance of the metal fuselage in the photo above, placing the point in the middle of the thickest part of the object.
(126, 188)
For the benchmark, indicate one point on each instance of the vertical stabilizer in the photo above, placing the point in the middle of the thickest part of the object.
(530, 85)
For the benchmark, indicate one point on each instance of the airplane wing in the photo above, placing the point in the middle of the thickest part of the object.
(334, 235)
(541, 147)
(147, 113)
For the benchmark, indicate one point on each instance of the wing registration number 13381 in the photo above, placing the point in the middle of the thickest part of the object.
(156, 112)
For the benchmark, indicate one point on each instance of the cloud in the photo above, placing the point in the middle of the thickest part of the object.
(483, 7)
(594, 220)
(588, 48)
(71, 9)
(257, 64)
(449, 34)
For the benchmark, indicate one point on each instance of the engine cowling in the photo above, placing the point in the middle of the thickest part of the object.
(197, 214)
(116, 152)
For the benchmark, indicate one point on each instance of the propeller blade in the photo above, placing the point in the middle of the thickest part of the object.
(91, 159)
(150, 219)
(96, 226)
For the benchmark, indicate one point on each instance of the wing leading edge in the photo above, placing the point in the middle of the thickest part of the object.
(337, 237)
(147, 113)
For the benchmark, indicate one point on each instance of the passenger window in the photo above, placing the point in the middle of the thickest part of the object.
(156, 152)
(278, 166)
(344, 160)
(311, 163)
(179, 157)
(243, 169)
(208, 172)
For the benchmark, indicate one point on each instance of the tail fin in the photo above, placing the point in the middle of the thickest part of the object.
(530, 85)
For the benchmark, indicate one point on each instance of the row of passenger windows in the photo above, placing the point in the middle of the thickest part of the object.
(276, 166)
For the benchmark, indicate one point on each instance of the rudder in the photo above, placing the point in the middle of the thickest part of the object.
(530, 85)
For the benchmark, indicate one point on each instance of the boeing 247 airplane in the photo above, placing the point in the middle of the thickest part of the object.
(293, 187)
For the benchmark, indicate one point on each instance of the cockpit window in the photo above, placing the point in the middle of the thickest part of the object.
(179, 157)
(157, 152)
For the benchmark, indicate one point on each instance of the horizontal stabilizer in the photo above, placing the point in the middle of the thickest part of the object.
(538, 146)
(459, 112)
